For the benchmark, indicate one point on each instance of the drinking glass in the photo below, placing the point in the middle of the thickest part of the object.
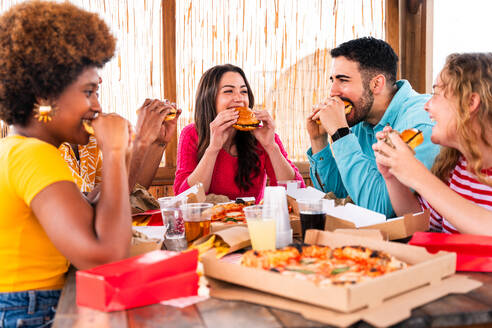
(289, 184)
(312, 214)
(197, 218)
(261, 227)
(172, 217)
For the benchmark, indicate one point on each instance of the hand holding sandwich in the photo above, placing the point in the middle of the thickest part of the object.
(266, 133)
(221, 129)
(152, 122)
(395, 158)
(332, 114)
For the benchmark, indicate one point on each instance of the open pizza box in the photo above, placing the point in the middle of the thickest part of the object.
(381, 301)
(424, 268)
(350, 216)
(396, 228)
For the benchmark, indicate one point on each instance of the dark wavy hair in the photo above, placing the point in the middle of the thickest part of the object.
(374, 56)
(205, 113)
(44, 47)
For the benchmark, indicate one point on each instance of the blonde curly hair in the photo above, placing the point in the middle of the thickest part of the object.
(462, 75)
(44, 46)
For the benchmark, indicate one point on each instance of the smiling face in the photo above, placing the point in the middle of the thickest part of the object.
(232, 92)
(349, 85)
(442, 110)
(78, 102)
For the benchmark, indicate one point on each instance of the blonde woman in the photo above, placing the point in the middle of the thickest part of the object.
(458, 191)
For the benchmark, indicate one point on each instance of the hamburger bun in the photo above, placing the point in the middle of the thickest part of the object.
(412, 137)
(246, 120)
(348, 109)
(88, 127)
(171, 115)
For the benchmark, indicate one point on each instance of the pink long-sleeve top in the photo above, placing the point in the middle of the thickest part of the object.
(225, 168)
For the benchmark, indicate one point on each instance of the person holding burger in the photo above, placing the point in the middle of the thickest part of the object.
(155, 127)
(226, 149)
(363, 74)
(49, 56)
(458, 189)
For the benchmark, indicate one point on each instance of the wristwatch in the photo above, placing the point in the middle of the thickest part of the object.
(342, 132)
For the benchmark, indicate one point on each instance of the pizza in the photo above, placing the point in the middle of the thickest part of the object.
(324, 265)
(228, 213)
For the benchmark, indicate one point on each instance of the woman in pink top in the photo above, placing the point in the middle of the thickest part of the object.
(227, 161)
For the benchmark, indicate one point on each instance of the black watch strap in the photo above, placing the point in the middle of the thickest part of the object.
(342, 132)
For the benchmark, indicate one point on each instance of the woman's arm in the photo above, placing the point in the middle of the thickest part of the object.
(90, 236)
(266, 137)
(151, 137)
(221, 130)
(463, 214)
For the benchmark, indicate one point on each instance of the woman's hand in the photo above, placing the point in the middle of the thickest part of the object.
(112, 132)
(384, 170)
(266, 133)
(221, 129)
(399, 161)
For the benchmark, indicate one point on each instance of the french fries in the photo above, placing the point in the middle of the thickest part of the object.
(221, 248)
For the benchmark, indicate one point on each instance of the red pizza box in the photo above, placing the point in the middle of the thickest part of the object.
(423, 269)
(137, 281)
(474, 252)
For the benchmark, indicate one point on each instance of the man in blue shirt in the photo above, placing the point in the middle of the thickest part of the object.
(363, 73)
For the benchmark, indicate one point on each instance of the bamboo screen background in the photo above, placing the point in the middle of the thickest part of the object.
(282, 45)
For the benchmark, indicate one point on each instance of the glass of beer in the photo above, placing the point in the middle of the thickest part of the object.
(261, 227)
(312, 214)
(197, 218)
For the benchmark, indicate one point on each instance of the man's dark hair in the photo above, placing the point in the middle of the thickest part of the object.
(374, 56)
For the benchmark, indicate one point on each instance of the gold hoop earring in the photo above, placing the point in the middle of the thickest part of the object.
(44, 110)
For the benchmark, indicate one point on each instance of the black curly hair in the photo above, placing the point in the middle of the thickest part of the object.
(205, 113)
(44, 47)
(374, 56)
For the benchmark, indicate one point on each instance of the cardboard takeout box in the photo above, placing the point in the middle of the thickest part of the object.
(423, 269)
(396, 228)
(137, 281)
(236, 237)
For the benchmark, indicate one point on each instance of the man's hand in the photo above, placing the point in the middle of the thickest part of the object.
(332, 115)
(317, 134)
(168, 128)
(151, 120)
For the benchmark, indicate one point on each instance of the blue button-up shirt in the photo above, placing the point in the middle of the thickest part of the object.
(351, 168)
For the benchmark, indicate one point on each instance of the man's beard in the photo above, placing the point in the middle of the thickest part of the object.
(361, 109)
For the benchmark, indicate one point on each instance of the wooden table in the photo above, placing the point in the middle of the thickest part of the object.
(474, 308)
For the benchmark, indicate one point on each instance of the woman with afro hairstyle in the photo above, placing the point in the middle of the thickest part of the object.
(458, 189)
(227, 161)
(49, 55)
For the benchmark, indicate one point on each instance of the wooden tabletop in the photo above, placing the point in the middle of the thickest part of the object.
(474, 308)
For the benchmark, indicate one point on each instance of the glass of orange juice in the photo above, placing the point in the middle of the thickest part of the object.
(261, 227)
(197, 218)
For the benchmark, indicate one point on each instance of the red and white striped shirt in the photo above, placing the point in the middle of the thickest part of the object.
(466, 185)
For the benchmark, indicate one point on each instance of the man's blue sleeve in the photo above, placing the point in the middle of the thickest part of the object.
(360, 176)
(324, 172)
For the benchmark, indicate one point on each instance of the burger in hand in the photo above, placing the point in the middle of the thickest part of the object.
(412, 137)
(247, 120)
(348, 109)
(171, 115)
